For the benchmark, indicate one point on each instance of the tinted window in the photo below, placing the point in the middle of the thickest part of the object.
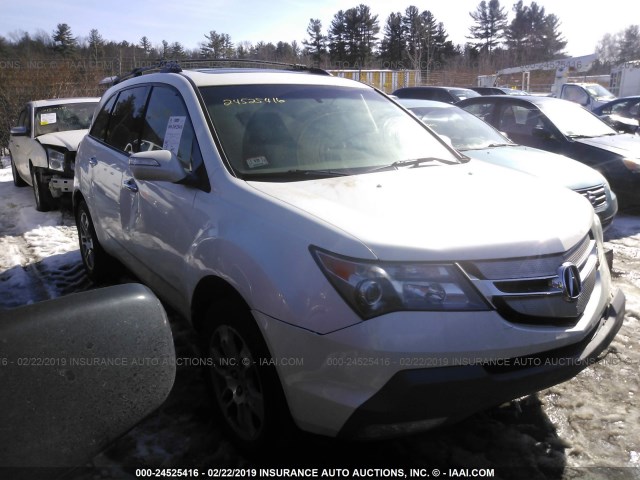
(99, 128)
(127, 119)
(167, 126)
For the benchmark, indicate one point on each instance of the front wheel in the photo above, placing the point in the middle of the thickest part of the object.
(41, 192)
(246, 387)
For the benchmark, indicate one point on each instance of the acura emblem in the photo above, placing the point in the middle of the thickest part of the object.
(569, 281)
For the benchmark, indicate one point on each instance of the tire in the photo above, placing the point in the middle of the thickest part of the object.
(248, 396)
(17, 179)
(97, 262)
(44, 200)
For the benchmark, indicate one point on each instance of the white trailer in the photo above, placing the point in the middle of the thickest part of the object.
(625, 79)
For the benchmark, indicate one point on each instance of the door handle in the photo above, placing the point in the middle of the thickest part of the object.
(130, 185)
(93, 161)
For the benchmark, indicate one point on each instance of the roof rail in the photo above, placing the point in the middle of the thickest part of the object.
(244, 63)
(162, 66)
(172, 66)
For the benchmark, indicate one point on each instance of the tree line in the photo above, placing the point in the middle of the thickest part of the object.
(57, 64)
(355, 38)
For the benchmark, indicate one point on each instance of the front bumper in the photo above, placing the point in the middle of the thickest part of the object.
(419, 399)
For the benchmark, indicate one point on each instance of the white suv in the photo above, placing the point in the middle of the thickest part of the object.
(345, 266)
(43, 146)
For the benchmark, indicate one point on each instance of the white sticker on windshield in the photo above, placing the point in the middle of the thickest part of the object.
(173, 134)
(47, 118)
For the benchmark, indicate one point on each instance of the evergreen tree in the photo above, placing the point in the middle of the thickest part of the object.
(393, 45)
(96, 45)
(64, 42)
(145, 45)
(532, 35)
(629, 44)
(490, 22)
(316, 45)
(219, 45)
(338, 37)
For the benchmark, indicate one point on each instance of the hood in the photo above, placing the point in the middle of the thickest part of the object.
(623, 144)
(549, 166)
(69, 139)
(462, 212)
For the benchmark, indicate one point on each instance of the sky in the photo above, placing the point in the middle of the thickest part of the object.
(583, 23)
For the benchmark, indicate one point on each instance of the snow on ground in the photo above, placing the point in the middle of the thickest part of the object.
(573, 430)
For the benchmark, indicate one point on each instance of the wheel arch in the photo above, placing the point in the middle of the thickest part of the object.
(209, 291)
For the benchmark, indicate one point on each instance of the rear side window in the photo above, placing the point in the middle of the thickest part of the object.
(99, 127)
(127, 119)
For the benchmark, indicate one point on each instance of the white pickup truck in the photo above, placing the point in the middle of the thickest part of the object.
(589, 95)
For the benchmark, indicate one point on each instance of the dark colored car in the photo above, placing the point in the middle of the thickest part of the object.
(623, 114)
(498, 91)
(440, 94)
(566, 128)
(479, 140)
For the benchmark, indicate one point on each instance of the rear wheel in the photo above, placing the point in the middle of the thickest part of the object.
(97, 262)
(41, 192)
(17, 179)
(246, 387)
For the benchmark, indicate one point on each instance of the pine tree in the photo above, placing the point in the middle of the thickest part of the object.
(96, 45)
(219, 45)
(64, 42)
(393, 45)
(316, 45)
(490, 22)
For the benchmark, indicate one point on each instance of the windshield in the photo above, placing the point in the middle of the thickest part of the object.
(268, 130)
(60, 118)
(574, 121)
(599, 91)
(463, 129)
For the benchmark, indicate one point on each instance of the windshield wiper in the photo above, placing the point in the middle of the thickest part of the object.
(317, 173)
(416, 162)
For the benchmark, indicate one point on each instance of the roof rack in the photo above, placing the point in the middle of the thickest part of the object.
(173, 66)
(162, 66)
(244, 63)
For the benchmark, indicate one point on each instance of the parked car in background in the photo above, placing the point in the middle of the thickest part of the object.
(440, 94)
(345, 267)
(498, 91)
(589, 95)
(479, 140)
(564, 127)
(622, 114)
(43, 146)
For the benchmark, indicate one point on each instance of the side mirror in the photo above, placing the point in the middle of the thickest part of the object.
(159, 165)
(78, 372)
(19, 131)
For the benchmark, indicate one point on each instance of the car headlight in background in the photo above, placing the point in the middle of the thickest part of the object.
(376, 288)
(56, 159)
(632, 164)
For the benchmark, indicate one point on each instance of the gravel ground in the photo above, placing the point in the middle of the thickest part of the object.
(588, 427)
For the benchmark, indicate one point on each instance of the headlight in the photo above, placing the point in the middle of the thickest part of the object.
(632, 164)
(56, 159)
(376, 288)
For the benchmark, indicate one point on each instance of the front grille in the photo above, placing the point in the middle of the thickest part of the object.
(530, 291)
(596, 195)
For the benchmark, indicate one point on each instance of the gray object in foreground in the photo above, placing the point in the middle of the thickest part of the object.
(79, 371)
